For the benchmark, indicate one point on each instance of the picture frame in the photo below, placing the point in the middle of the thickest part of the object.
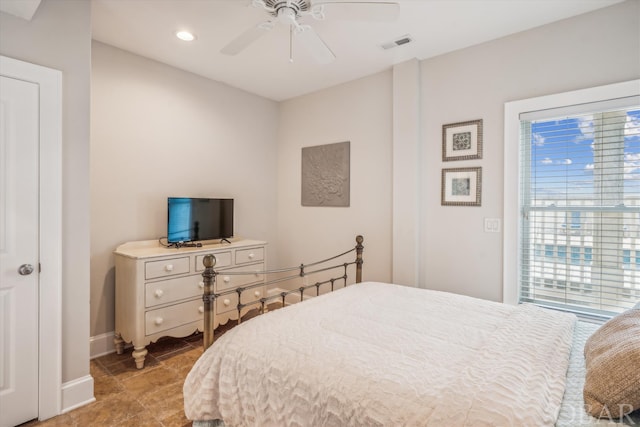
(326, 179)
(462, 141)
(461, 187)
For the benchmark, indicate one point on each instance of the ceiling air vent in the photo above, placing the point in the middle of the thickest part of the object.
(397, 42)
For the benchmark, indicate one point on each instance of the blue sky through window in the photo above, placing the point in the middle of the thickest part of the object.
(562, 159)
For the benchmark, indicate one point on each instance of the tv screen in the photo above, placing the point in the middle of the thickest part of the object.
(192, 219)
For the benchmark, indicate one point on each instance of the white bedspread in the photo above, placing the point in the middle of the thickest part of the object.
(376, 354)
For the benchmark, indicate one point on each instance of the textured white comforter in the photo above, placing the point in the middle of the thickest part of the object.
(376, 354)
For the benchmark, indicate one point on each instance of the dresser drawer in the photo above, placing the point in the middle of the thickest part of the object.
(224, 281)
(166, 318)
(244, 256)
(166, 267)
(227, 303)
(223, 259)
(252, 295)
(168, 291)
(230, 301)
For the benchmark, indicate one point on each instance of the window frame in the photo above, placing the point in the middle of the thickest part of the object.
(512, 195)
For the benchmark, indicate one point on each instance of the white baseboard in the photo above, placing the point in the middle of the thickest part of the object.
(102, 344)
(77, 393)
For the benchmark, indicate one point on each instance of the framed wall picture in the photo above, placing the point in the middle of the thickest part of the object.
(326, 175)
(462, 141)
(461, 187)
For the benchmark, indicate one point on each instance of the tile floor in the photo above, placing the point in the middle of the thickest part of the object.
(126, 396)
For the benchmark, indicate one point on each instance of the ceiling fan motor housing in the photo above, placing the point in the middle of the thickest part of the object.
(295, 5)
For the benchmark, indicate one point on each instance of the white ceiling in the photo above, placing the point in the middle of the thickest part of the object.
(147, 28)
(21, 8)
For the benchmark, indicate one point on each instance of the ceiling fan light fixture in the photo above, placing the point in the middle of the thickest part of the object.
(287, 15)
(185, 36)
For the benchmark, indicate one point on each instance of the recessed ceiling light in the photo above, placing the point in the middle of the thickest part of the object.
(185, 35)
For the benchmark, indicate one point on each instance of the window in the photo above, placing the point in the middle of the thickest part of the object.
(549, 252)
(562, 253)
(580, 180)
(626, 258)
(575, 255)
(588, 255)
(575, 220)
(577, 190)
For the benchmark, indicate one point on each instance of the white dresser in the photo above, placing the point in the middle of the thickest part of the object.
(159, 289)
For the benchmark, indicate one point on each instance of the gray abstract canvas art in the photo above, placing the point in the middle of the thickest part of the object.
(325, 175)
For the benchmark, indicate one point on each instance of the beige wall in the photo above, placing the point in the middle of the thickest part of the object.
(156, 132)
(360, 112)
(589, 50)
(67, 24)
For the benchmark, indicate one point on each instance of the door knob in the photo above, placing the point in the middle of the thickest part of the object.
(25, 269)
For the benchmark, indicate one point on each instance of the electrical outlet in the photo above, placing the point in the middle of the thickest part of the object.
(492, 225)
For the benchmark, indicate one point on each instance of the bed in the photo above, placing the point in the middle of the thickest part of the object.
(378, 354)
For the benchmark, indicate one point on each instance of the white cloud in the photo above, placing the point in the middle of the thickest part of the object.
(548, 161)
(632, 157)
(585, 124)
(538, 139)
(632, 167)
(589, 167)
(632, 126)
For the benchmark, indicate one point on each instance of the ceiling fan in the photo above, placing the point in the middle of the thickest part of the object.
(290, 12)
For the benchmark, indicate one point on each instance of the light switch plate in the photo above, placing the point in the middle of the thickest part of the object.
(492, 225)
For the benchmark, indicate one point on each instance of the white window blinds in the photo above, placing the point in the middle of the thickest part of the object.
(580, 206)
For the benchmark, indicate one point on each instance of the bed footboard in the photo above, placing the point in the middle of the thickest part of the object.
(210, 274)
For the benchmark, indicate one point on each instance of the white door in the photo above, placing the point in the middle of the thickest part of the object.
(19, 263)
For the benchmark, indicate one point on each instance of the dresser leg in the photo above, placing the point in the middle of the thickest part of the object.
(139, 354)
(119, 343)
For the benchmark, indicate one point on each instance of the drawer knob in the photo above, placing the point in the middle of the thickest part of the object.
(226, 279)
(201, 309)
(159, 293)
(256, 293)
(159, 321)
(226, 301)
(201, 284)
(168, 267)
(252, 255)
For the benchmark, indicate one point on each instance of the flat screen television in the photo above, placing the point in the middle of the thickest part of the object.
(193, 219)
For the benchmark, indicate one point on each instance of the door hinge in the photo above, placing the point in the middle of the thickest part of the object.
(39, 268)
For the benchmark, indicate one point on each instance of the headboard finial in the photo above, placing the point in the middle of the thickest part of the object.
(359, 249)
(209, 261)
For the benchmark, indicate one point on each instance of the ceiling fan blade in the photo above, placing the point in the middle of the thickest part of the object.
(384, 11)
(314, 44)
(238, 44)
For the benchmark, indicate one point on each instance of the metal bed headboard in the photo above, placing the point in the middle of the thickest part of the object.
(209, 276)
